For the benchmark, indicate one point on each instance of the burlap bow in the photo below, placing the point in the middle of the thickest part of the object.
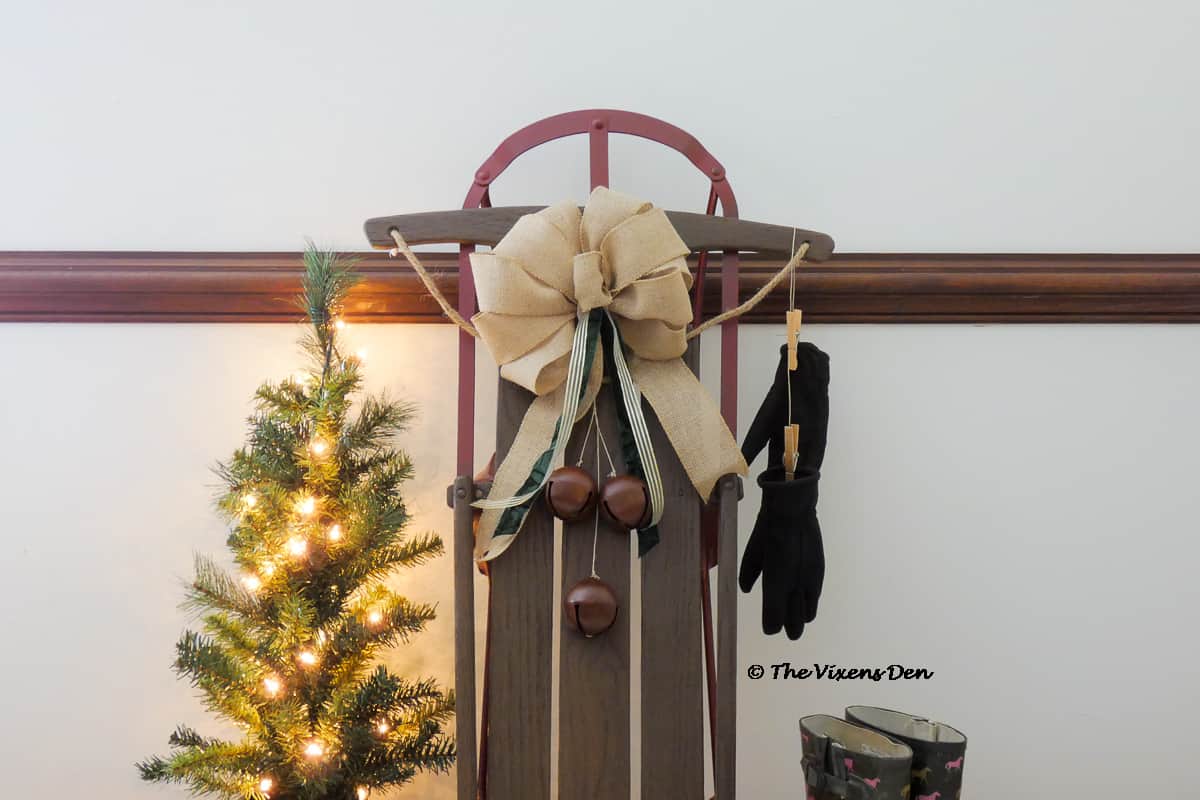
(537, 291)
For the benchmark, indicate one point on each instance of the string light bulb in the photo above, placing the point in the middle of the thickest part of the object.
(272, 686)
(339, 323)
(361, 353)
(318, 447)
(314, 749)
(297, 546)
(363, 792)
(250, 500)
(266, 785)
(382, 727)
(374, 618)
(307, 657)
(251, 582)
(306, 505)
(268, 568)
(334, 533)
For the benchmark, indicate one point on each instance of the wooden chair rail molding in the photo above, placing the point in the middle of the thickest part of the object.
(42, 286)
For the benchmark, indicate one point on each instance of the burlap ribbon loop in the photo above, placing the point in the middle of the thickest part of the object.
(548, 273)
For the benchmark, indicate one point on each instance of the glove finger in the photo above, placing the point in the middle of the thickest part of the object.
(812, 598)
(797, 614)
(772, 618)
(775, 588)
(752, 561)
(814, 577)
(768, 420)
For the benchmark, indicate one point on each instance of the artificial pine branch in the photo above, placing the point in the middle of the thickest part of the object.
(286, 646)
(213, 589)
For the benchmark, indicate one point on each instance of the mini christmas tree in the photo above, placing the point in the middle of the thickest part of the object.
(287, 647)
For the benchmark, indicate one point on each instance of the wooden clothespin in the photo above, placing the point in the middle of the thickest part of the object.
(791, 433)
(791, 450)
(793, 331)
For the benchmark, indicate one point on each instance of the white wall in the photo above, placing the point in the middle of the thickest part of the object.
(1012, 507)
(1036, 125)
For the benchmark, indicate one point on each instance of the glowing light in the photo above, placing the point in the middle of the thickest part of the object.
(307, 657)
(268, 568)
(363, 792)
(314, 749)
(297, 546)
(362, 354)
(306, 505)
(339, 323)
(300, 378)
(334, 533)
(272, 686)
(250, 500)
(318, 447)
(266, 785)
(251, 582)
(382, 727)
(375, 618)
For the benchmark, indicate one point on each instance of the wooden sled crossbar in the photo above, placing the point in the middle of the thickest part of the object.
(674, 629)
(701, 232)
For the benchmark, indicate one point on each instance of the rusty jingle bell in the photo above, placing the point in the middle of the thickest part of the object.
(571, 493)
(590, 607)
(626, 500)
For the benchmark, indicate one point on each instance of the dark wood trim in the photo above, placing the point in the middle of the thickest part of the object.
(854, 287)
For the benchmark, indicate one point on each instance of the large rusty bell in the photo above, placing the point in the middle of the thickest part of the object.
(590, 607)
(626, 500)
(571, 493)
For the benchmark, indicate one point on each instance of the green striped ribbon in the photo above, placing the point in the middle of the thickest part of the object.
(635, 437)
(583, 354)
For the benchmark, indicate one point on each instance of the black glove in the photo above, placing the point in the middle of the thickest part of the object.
(785, 546)
(810, 409)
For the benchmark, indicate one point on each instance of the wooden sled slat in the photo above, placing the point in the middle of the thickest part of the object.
(672, 702)
(725, 777)
(593, 722)
(464, 636)
(522, 618)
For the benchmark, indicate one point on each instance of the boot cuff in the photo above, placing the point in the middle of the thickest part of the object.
(853, 738)
(847, 761)
(905, 726)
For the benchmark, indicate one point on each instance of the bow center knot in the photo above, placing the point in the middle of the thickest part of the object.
(592, 281)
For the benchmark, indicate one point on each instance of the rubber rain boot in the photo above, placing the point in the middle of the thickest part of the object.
(938, 750)
(848, 762)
